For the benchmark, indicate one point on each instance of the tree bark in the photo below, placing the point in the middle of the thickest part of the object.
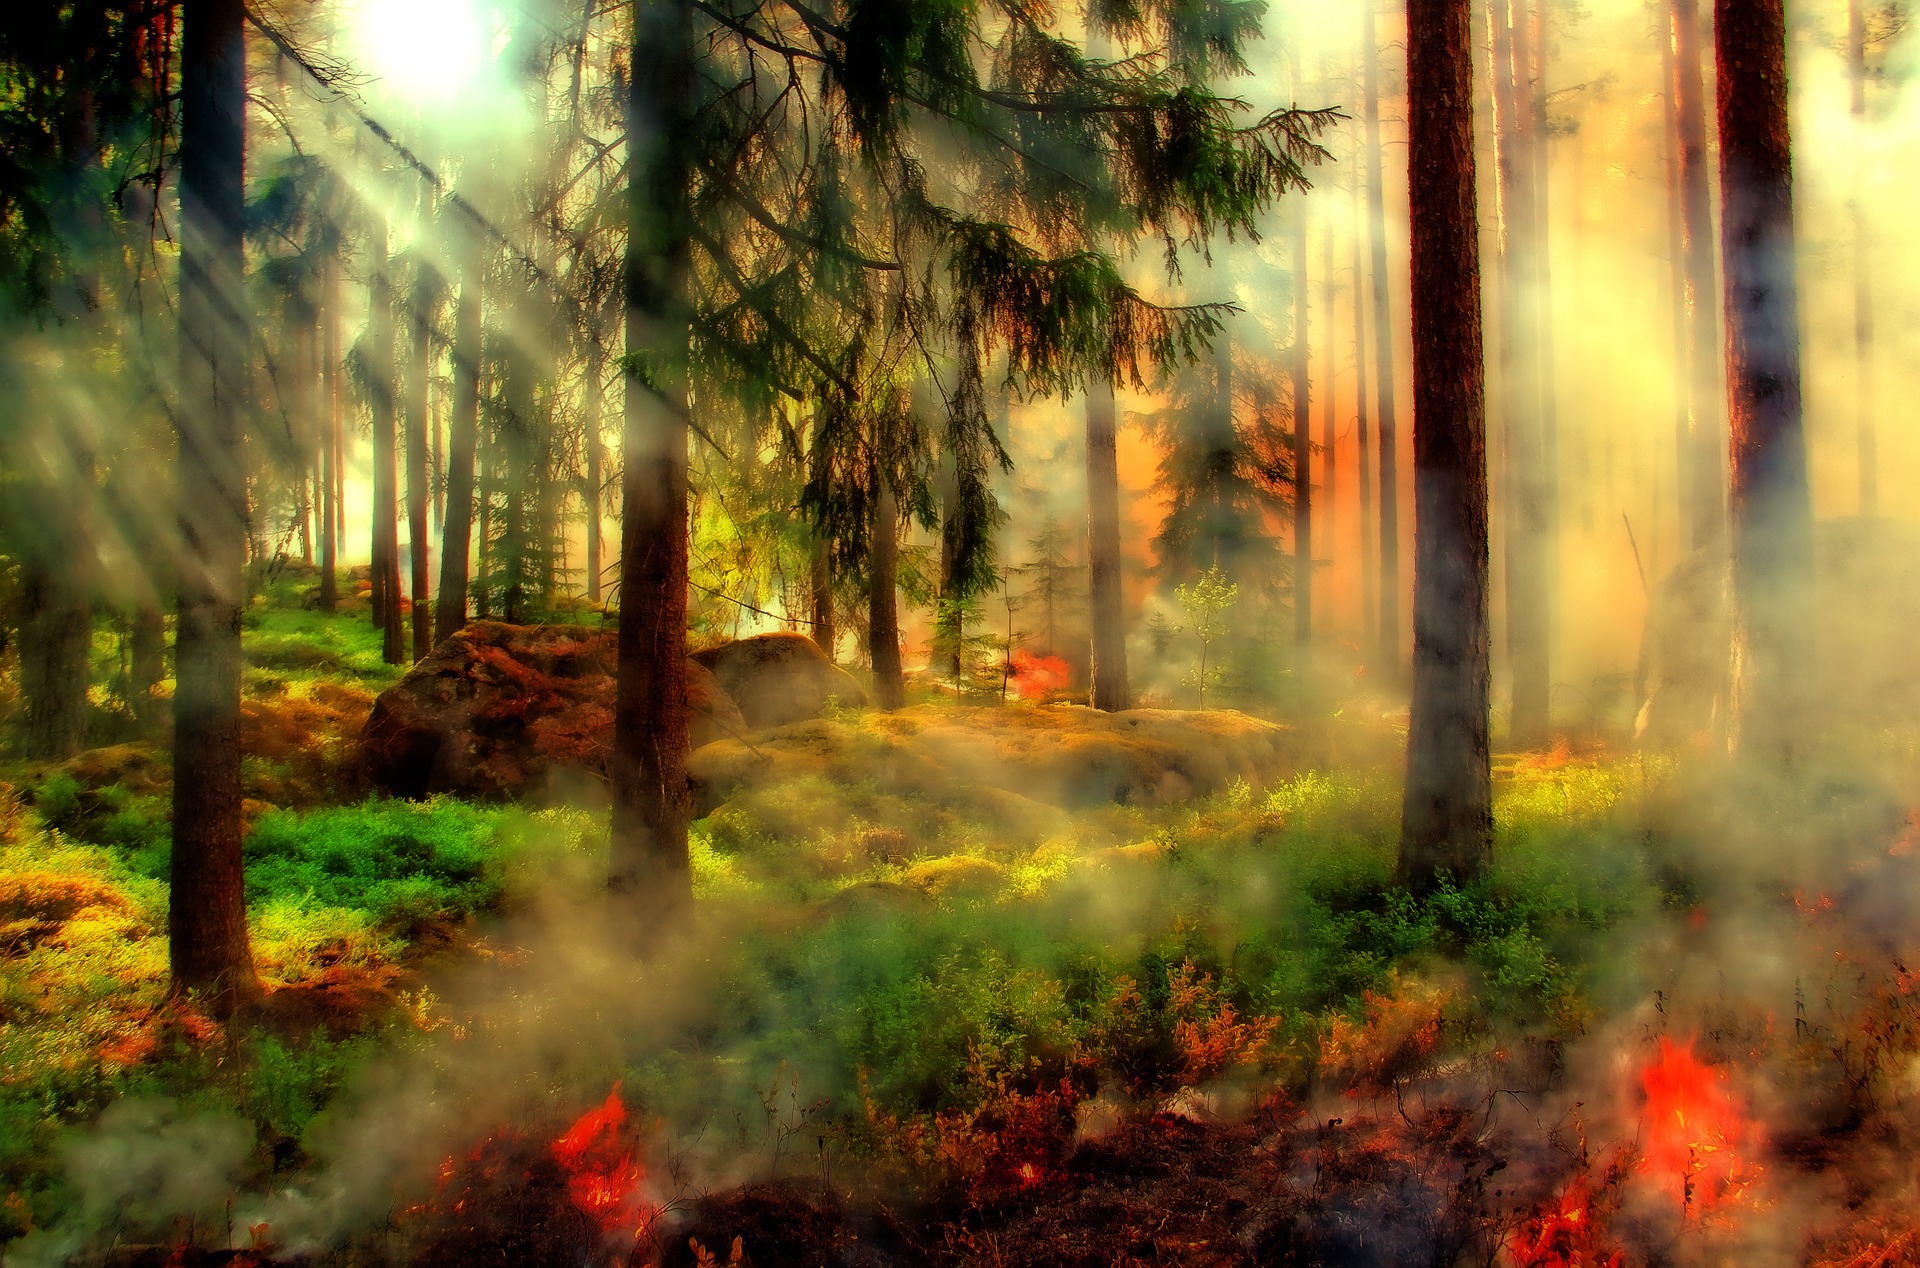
(56, 632)
(650, 875)
(328, 316)
(596, 462)
(1770, 507)
(463, 428)
(820, 597)
(1106, 601)
(419, 421)
(1302, 436)
(1363, 445)
(1329, 421)
(1447, 817)
(206, 913)
(1706, 467)
(883, 610)
(1388, 638)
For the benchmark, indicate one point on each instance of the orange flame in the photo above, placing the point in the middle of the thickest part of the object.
(1563, 1234)
(603, 1177)
(1037, 677)
(1695, 1129)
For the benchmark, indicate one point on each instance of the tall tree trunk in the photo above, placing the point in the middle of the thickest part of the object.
(206, 912)
(820, 596)
(419, 378)
(1106, 600)
(1771, 515)
(1302, 434)
(883, 610)
(56, 632)
(328, 315)
(147, 666)
(1447, 817)
(1706, 467)
(385, 570)
(462, 439)
(1329, 421)
(650, 874)
(1677, 269)
(1389, 631)
(596, 462)
(1526, 539)
(1866, 442)
(1363, 445)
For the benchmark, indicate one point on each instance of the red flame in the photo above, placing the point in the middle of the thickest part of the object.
(1695, 1129)
(1563, 1234)
(603, 1177)
(1037, 677)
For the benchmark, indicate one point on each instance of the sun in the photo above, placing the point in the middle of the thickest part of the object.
(425, 51)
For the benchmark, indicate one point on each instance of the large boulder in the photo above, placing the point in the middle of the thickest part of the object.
(497, 711)
(780, 678)
(1865, 609)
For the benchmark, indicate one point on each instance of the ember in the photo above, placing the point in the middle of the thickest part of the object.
(1695, 1129)
(603, 1177)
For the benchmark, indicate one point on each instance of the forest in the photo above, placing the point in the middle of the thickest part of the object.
(959, 632)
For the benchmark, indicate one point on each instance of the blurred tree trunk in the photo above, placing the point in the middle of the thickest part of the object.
(1706, 465)
(1677, 268)
(650, 875)
(1106, 599)
(456, 527)
(1388, 636)
(596, 461)
(820, 597)
(1447, 817)
(386, 494)
(883, 610)
(1771, 514)
(327, 314)
(1329, 421)
(1302, 431)
(1363, 438)
(147, 664)
(1866, 442)
(206, 916)
(419, 379)
(56, 627)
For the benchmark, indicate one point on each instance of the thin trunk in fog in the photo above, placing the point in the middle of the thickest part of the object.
(206, 910)
(462, 439)
(1388, 635)
(1363, 458)
(650, 875)
(1547, 367)
(596, 461)
(1677, 270)
(385, 571)
(1770, 512)
(1329, 414)
(329, 319)
(1866, 442)
(1302, 434)
(883, 605)
(419, 420)
(1707, 447)
(1219, 462)
(820, 596)
(1447, 816)
(1106, 603)
(1526, 538)
(147, 665)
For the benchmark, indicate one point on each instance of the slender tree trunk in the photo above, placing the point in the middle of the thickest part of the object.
(1866, 442)
(596, 463)
(883, 611)
(419, 376)
(1771, 511)
(1106, 600)
(147, 666)
(1302, 435)
(328, 317)
(1447, 818)
(462, 440)
(1329, 420)
(206, 914)
(1389, 631)
(56, 632)
(1708, 437)
(1677, 267)
(820, 596)
(386, 503)
(650, 875)
(1363, 445)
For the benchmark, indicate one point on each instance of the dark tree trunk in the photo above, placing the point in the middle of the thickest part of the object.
(462, 440)
(1363, 446)
(1447, 818)
(1770, 507)
(1302, 435)
(206, 914)
(1389, 632)
(1866, 441)
(1105, 597)
(883, 611)
(147, 664)
(384, 548)
(1706, 465)
(596, 463)
(420, 350)
(329, 319)
(650, 875)
(820, 597)
(56, 632)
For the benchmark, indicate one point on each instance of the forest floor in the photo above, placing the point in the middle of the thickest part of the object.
(942, 1005)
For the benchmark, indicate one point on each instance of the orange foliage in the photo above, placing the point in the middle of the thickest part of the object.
(1210, 1035)
(1396, 1041)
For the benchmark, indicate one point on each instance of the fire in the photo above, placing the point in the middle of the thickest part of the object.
(1695, 1130)
(1563, 1234)
(1037, 677)
(603, 1178)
